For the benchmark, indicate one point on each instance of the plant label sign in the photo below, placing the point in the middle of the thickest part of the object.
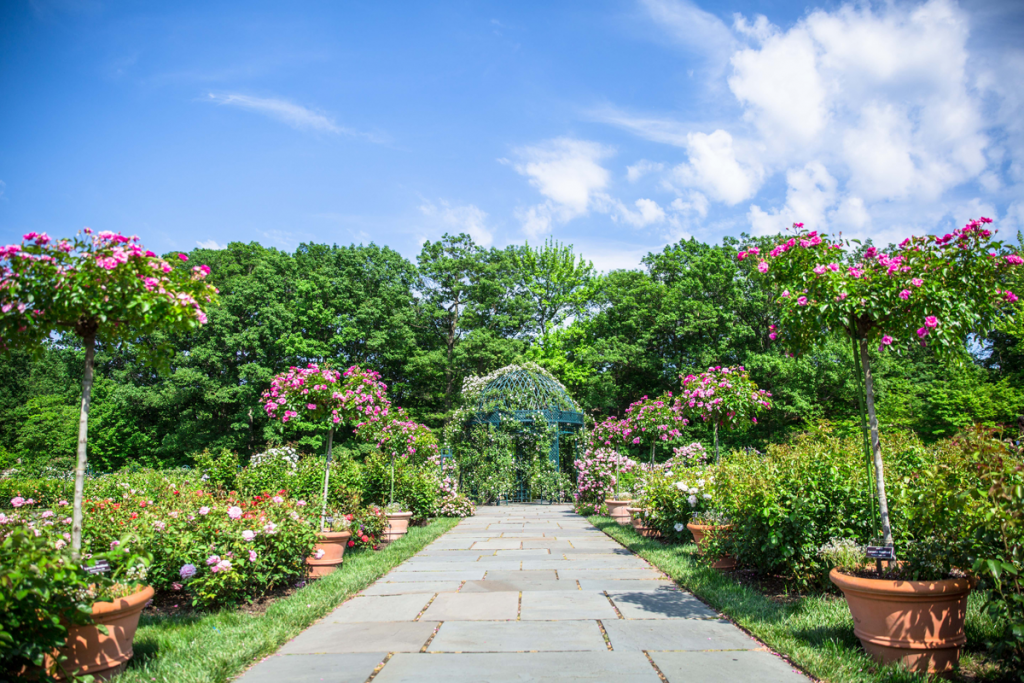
(882, 552)
(101, 567)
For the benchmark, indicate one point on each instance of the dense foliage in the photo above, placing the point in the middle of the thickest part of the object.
(463, 310)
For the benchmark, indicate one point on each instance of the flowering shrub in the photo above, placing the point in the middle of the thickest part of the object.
(724, 396)
(104, 286)
(275, 468)
(456, 505)
(668, 503)
(367, 526)
(596, 478)
(933, 290)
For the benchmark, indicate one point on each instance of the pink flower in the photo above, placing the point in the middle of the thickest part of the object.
(905, 294)
(785, 293)
(310, 406)
(819, 270)
(17, 501)
(204, 510)
(248, 535)
(277, 499)
(762, 267)
(834, 267)
(222, 566)
(212, 560)
(740, 256)
(183, 257)
(931, 321)
(802, 301)
(301, 503)
(886, 339)
(1011, 297)
(318, 554)
(922, 332)
(114, 544)
(235, 512)
(176, 586)
(252, 555)
(917, 282)
(1014, 260)
(773, 336)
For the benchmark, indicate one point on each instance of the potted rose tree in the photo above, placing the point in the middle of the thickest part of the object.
(326, 397)
(725, 397)
(104, 287)
(929, 290)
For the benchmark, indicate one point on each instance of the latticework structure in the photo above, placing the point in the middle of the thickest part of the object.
(521, 395)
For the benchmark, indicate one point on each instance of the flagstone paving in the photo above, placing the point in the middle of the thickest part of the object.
(523, 593)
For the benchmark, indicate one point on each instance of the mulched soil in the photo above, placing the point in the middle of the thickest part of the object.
(176, 604)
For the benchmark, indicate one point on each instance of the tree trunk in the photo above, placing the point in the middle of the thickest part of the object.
(327, 477)
(652, 456)
(83, 438)
(392, 499)
(717, 458)
(876, 447)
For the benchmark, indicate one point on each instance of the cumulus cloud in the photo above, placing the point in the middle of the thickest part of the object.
(728, 173)
(568, 172)
(866, 110)
(467, 218)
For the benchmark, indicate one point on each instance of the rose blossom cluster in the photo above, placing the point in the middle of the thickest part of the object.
(724, 396)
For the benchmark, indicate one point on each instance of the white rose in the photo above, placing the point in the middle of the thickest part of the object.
(681, 485)
(679, 526)
(692, 500)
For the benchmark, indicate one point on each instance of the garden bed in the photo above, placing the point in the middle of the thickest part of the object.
(813, 631)
(232, 640)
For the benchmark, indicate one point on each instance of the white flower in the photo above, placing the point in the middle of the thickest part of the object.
(679, 526)
(681, 485)
(694, 491)
(692, 500)
(707, 496)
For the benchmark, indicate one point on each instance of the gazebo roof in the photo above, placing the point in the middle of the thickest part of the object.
(521, 392)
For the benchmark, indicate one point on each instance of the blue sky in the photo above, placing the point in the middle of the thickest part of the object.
(618, 126)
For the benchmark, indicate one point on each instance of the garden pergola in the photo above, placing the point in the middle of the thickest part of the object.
(521, 395)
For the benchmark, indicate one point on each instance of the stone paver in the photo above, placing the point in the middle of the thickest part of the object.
(524, 593)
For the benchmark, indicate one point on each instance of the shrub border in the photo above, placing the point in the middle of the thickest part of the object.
(221, 645)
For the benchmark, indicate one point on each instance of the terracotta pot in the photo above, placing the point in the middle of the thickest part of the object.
(398, 524)
(638, 524)
(91, 652)
(617, 510)
(920, 623)
(333, 544)
(699, 531)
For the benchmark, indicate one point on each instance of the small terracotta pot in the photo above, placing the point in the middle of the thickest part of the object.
(617, 510)
(920, 623)
(89, 651)
(398, 524)
(333, 544)
(638, 524)
(699, 531)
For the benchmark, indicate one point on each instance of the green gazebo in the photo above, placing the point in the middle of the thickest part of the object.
(520, 394)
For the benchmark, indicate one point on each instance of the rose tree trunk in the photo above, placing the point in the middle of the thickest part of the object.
(876, 447)
(83, 438)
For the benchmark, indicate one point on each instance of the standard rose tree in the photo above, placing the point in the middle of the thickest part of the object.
(104, 287)
(725, 397)
(327, 397)
(930, 290)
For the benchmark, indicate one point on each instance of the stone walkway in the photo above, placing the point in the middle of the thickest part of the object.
(523, 593)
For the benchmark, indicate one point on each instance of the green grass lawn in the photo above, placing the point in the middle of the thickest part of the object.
(214, 647)
(815, 632)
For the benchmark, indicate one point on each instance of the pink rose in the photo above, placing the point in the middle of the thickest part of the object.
(931, 321)
(905, 294)
(762, 267)
(235, 512)
(917, 282)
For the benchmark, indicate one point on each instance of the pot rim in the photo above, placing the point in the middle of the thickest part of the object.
(704, 527)
(333, 535)
(894, 588)
(128, 603)
(399, 514)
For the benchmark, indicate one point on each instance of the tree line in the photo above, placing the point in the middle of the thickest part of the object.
(463, 310)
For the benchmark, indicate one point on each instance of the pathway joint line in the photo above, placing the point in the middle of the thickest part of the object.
(380, 667)
(432, 636)
(604, 634)
(656, 669)
(612, 603)
(426, 607)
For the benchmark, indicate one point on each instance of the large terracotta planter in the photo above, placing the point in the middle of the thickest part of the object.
(920, 623)
(638, 524)
(398, 524)
(617, 510)
(89, 651)
(333, 544)
(699, 531)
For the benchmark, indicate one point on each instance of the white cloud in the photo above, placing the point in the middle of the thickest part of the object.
(211, 244)
(467, 218)
(872, 112)
(642, 168)
(648, 213)
(726, 172)
(811, 190)
(566, 171)
(698, 31)
(295, 115)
